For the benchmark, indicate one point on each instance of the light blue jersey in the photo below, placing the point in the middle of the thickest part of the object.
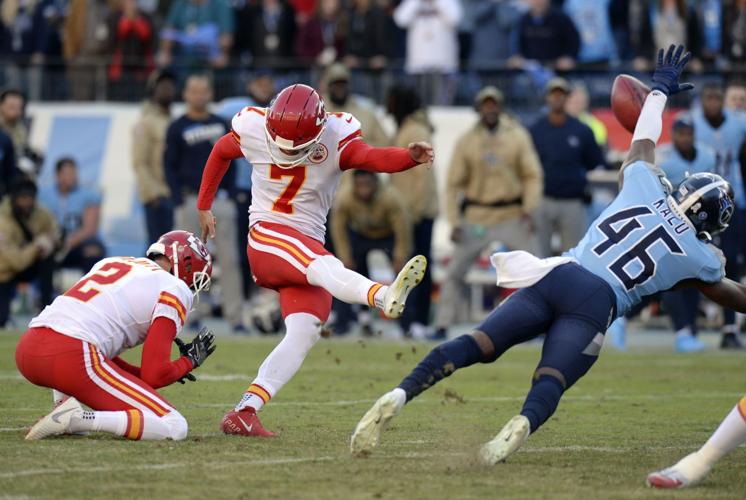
(726, 141)
(639, 246)
(677, 168)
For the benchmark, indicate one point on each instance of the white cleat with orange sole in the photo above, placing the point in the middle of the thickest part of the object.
(409, 277)
(507, 441)
(56, 422)
(689, 471)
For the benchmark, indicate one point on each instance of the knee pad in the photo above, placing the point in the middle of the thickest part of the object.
(177, 425)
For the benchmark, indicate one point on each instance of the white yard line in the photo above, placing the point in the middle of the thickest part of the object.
(13, 429)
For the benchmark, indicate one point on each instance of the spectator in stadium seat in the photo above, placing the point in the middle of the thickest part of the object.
(735, 96)
(418, 189)
(368, 39)
(131, 38)
(494, 185)
(29, 237)
(85, 45)
(593, 23)
(12, 122)
(77, 209)
(197, 33)
(547, 35)
(679, 159)
(321, 37)
(567, 150)
(148, 144)
(493, 30)
(432, 45)
(189, 141)
(272, 27)
(367, 217)
(577, 106)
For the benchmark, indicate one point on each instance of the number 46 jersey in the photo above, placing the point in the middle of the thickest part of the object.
(113, 305)
(299, 197)
(640, 246)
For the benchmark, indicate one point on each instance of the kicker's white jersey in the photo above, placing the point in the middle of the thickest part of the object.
(113, 305)
(299, 197)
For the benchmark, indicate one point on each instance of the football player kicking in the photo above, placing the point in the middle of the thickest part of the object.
(646, 241)
(73, 346)
(298, 152)
(690, 470)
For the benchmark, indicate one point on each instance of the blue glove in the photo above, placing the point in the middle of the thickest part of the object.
(668, 71)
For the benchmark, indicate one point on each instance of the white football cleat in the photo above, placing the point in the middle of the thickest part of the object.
(507, 441)
(689, 471)
(409, 277)
(56, 422)
(367, 433)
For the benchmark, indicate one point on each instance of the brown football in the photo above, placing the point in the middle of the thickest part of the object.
(627, 97)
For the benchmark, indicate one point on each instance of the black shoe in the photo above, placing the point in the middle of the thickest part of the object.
(438, 335)
(730, 341)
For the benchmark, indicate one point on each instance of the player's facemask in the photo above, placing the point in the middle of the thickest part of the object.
(290, 157)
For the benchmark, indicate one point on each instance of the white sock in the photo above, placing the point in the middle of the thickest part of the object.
(684, 332)
(329, 273)
(57, 397)
(132, 424)
(730, 434)
(401, 396)
(303, 331)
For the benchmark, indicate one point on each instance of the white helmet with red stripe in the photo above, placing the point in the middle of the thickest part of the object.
(190, 260)
(293, 125)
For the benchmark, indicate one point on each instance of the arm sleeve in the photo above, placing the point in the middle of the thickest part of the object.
(357, 154)
(157, 368)
(128, 367)
(532, 175)
(572, 40)
(224, 151)
(455, 184)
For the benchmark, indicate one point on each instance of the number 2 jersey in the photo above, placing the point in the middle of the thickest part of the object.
(301, 196)
(113, 305)
(640, 246)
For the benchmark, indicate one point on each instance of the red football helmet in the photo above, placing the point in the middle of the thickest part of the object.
(190, 260)
(294, 123)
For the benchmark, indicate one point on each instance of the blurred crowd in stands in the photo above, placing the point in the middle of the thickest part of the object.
(105, 49)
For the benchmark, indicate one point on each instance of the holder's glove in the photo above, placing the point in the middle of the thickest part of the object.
(198, 349)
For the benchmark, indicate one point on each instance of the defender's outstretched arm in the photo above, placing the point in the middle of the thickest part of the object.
(650, 123)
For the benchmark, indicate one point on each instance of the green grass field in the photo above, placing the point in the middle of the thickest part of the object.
(633, 413)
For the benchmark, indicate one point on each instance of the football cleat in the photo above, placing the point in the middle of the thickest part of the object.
(409, 277)
(244, 423)
(507, 441)
(687, 472)
(56, 422)
(367, 433)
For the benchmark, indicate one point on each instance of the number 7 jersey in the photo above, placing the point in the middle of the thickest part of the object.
(299, 197)
(640, 246)
(113, 305)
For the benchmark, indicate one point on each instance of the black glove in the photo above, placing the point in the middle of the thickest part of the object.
(668, 71)
(198, 349)
(186, 377)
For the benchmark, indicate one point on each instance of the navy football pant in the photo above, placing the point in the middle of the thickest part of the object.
(571, 305)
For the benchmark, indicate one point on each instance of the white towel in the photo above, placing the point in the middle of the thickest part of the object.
(521, 269)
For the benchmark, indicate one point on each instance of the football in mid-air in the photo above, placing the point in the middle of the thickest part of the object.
(627, 97)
